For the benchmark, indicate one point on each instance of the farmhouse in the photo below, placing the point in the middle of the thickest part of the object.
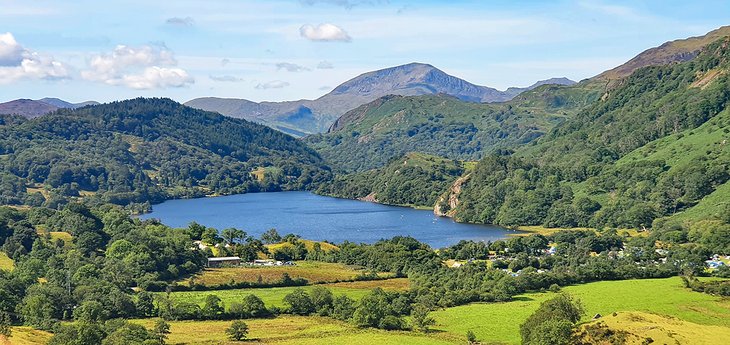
(228, 261)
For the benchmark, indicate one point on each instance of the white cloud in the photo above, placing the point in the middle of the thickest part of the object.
(17, 62)
(275, 84)
(291, 67)
(324, 32)
(180, 22)
(145, 67)
(225, 78)
(325, 65)
(325, 88)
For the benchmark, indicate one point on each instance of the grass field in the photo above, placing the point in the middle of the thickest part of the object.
(662, 329)
(314, 272)
(499, 322)
(286, 330)
(27, 336)
(275, 296)
(6, 263)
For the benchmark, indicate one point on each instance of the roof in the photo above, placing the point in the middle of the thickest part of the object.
(226, 258)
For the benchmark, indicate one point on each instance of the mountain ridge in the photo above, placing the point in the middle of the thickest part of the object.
(30, 108)
(315, 116)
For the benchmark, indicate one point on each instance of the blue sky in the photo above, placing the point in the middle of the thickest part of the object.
(284, 50)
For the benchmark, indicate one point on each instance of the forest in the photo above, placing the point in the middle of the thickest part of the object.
(145, 151)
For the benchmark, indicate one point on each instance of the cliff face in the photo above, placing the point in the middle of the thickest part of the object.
(447, 204)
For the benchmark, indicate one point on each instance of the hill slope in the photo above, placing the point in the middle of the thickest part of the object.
(654, 146)
(391, 126)
(315, 116)
(669, 52)
(146, 150)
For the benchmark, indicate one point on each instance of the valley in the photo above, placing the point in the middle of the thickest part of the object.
(404, 206)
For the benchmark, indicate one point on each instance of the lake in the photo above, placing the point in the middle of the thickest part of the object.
(320, 218)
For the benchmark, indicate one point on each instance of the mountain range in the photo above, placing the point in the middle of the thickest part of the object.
(33, 108)
(315, 116)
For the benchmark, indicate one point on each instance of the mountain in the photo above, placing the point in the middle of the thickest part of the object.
(669, 52)
(369, 136)
(146, 150)
(66, 105)
(27, 108)
(653, 152)
(34, 108)
(315, 116)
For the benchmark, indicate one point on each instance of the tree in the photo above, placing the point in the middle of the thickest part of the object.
(271, 236)
(253, 306)
(343, 307)
(322, 299)
(299, 302)
(420, 318)
(145, 304)
(213, 307)
(232, 235)
(552, 322)
(238, 330)
(5, 324)
(471, 338)
(161, 330)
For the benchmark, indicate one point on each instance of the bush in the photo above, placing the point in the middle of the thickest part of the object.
(238, 330)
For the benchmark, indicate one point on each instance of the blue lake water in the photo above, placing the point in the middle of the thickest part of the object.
(320, 218)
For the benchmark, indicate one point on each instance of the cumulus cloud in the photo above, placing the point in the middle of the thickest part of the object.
(291, 67)
(17, 62)
(225, 61)
(186, 22)
(324, 33)
(145, 67)
(274, 84)
(225, 78)
(325, 65)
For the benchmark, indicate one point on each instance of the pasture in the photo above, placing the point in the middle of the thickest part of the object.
(275, 296)
(314, 272)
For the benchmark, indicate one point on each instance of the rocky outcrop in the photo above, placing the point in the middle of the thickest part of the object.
(447, 203)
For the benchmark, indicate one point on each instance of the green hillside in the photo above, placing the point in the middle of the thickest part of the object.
(654, 146)
(373, 134)
(145, 150)
(416, 180)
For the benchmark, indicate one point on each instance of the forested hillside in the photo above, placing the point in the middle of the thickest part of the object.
(146, 150)
(654, 146)
(415, 179)
(371, 135)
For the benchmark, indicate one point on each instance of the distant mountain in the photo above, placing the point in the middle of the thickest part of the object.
(315, 116)
(66, 105)
(27, 108)
(33, 108)
(670, 52)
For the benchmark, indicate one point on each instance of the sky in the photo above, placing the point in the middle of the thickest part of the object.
(277, 50)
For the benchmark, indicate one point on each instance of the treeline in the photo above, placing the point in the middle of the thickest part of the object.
(146, 150)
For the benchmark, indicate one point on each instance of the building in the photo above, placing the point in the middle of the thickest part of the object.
(224, 261)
